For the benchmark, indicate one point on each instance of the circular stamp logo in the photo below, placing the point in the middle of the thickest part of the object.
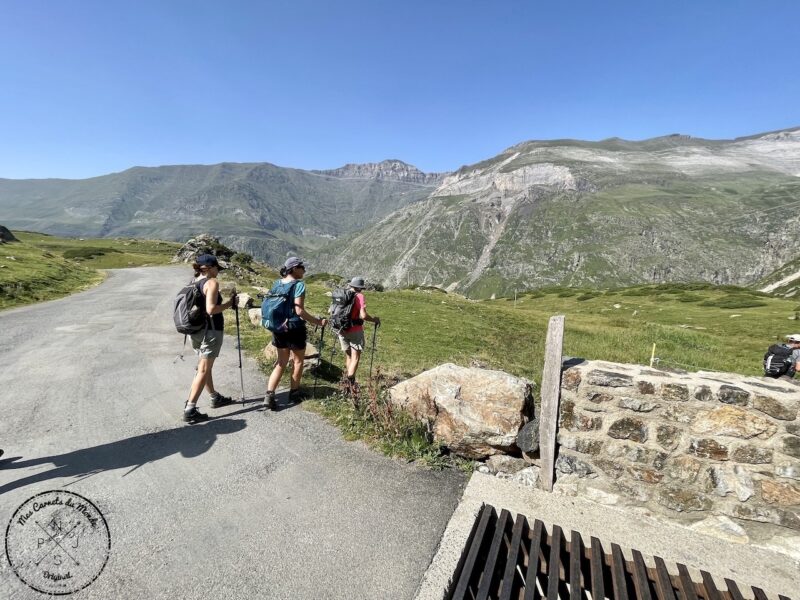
(57, 542)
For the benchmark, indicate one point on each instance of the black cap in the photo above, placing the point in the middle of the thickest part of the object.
(208, 260)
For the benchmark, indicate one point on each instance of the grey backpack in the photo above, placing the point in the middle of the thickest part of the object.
(189, 312)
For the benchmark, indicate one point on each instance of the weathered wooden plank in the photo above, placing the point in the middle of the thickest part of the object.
(640, 578)
(491, 559)
(486, 517)
(664, 588)
(596, 563)
(550, 391)
(712, 593)
(618, 573)
(533, 560)
(575, 552)
(510, 583)
(687, 585)
(554, 563)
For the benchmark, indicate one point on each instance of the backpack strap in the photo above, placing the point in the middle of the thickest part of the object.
(290, 296)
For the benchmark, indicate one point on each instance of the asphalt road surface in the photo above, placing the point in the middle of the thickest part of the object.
(247, 505)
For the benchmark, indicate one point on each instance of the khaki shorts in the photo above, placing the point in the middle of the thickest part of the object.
(354, 340)
(207, 343)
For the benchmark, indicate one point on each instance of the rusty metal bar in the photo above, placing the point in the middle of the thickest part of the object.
(575, 554)
(533, 560)
(598, 585)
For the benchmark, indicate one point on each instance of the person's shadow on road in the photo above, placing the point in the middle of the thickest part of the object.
(130, 453)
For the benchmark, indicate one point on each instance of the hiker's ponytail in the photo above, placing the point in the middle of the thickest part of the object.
(197, 271)
(282, 272)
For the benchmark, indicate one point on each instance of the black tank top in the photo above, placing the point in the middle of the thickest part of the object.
(217, 321)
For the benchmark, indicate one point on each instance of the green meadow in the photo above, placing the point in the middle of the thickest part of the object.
(693, 327)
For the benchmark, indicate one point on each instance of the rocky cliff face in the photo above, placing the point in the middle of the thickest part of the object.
(395, 170)
(596, 214)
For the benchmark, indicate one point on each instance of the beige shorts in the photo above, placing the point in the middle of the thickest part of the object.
(354, 340)
(207, 343)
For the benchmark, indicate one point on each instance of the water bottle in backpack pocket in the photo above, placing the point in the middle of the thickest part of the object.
(277, 309)
(189, 309)
(778, 361)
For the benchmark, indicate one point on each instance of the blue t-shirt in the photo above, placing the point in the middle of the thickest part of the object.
(299, 290)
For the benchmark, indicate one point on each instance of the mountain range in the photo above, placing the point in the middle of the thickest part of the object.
(557, 212)
(259, 208)
(595, 214)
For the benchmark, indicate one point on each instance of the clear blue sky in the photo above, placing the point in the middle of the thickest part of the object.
(92, 87)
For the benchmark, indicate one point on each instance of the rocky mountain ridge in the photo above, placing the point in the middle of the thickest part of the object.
(604, 213)
(391, 169)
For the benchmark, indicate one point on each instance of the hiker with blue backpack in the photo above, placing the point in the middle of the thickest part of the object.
(207, 341)
(283, 313)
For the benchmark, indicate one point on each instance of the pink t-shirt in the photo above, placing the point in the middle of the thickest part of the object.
(359, 303)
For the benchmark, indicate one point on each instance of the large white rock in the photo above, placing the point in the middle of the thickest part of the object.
(475, 412)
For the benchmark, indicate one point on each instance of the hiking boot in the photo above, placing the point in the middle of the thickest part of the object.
(269, 400)
(194, 416)
(220, 400)
(351, 387)
(297, 396)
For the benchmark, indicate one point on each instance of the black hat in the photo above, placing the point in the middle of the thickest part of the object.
(208, 260)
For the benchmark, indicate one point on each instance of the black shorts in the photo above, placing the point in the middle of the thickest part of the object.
(294, 339)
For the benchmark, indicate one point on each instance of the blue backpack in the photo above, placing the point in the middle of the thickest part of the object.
(277, 309)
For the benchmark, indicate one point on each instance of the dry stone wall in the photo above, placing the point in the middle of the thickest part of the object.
(708, 442)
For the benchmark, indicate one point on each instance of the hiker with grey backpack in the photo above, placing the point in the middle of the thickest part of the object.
(198, 314)
(283, 313)
(782, 361)
(348, 314)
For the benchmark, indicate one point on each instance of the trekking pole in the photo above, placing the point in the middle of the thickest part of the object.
(372, 353)
(239, 345)
(319, 364)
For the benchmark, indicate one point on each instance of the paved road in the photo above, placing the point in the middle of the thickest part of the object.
(247, 505)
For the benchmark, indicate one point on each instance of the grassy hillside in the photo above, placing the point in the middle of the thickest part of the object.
(592, 214)
(694, 327)
(42, 267)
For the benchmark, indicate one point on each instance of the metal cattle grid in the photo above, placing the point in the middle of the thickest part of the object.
(507, 559)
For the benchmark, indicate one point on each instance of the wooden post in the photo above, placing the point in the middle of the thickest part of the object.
(551, 391)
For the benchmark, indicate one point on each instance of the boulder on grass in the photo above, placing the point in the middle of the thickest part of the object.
(255, 316)
(245, 300)
(474, 412)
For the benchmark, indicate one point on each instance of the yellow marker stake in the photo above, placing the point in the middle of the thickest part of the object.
(652, 356)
